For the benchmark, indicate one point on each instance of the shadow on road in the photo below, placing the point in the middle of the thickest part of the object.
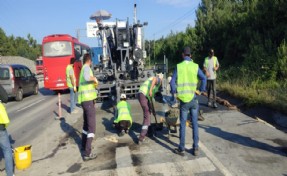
(243, 140)
(162, 136)
(71, 132)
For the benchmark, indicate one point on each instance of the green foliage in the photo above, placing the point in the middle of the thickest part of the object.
(11, 46)
(282, 61)
(248, 37)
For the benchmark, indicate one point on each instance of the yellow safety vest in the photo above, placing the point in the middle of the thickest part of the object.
(4, 119)
(186, 80)
(214, 62)
(68, 79)
(145, 87)
(124, 112)
(87, 91)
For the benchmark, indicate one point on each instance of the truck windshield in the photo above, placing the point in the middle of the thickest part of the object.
(57, 48)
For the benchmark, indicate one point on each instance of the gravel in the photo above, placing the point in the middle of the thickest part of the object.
(18, 60)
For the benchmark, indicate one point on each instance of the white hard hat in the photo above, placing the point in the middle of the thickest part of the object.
(159, 75)
(123, 96)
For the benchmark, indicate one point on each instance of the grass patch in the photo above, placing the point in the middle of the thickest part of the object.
(270, 94)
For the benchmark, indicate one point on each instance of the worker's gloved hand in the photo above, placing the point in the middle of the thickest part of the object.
(75, 89)
(96, 83)
(197, 92)
(207, 74)
(175, 96)
(150, 93)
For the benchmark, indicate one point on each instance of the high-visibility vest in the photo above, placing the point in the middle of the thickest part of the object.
(87, 91)
(145, 87)
(186, 80)
(68, 79)
(4, 119)
(124, 112)
(206, 62)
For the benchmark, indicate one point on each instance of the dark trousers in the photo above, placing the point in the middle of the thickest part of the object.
(89, 126)
(123, 125)
(211, 86)
(146, 111)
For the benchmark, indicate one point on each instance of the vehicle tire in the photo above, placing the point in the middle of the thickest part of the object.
(19, 95)
(36, 89)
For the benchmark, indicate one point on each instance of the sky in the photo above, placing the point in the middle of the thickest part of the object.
(45, 17)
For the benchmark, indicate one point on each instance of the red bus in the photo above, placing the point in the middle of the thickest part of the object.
(57, 51)
(39, 65)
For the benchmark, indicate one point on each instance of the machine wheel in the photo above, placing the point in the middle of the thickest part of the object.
(19, 95)
(36, 89)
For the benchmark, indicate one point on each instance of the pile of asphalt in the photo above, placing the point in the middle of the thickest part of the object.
(18, 60)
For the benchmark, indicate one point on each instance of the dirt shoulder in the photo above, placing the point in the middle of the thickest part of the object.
(262, 113)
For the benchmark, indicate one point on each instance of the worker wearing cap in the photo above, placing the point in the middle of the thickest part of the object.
(184, 82)
(86, 96)
(210, 66)
(4, 137)
(71, 83)
(123, 119)
(146, 93)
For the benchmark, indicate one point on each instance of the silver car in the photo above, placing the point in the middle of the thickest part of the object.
(18, 80)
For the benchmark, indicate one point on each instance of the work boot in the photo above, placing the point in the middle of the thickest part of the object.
(122, 133)
(209, 103)
(90, 157)
(178, 151)
(214, 105)
(195, 152)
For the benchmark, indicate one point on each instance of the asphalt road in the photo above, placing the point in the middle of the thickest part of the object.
(34, 113)
(231, 143)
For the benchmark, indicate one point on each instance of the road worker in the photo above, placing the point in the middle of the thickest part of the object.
(146, 93)
(210, 66)
(71, 83)
(183, 85)
(123, 118)
(86, 96)
(4, 137)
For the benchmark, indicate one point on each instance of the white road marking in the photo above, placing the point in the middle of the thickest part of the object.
(124, 162)
(215, 161)
(190, 167)
(32, 104)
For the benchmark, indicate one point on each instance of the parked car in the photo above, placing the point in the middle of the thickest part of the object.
(18, 80)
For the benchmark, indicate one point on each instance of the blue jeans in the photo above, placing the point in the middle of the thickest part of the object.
(191, 109)
(73, 99)
(7, 152)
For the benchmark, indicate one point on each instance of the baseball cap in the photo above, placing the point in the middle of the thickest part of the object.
(123, 96)
(186, 51)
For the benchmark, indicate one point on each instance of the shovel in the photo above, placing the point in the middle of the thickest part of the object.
(159, 126)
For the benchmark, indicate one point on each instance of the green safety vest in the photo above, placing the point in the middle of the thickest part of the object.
(68, 79)
(87, 91)
(214, 62)
(124, 112)
(186, 80)
(4, 119)
(145, 87)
